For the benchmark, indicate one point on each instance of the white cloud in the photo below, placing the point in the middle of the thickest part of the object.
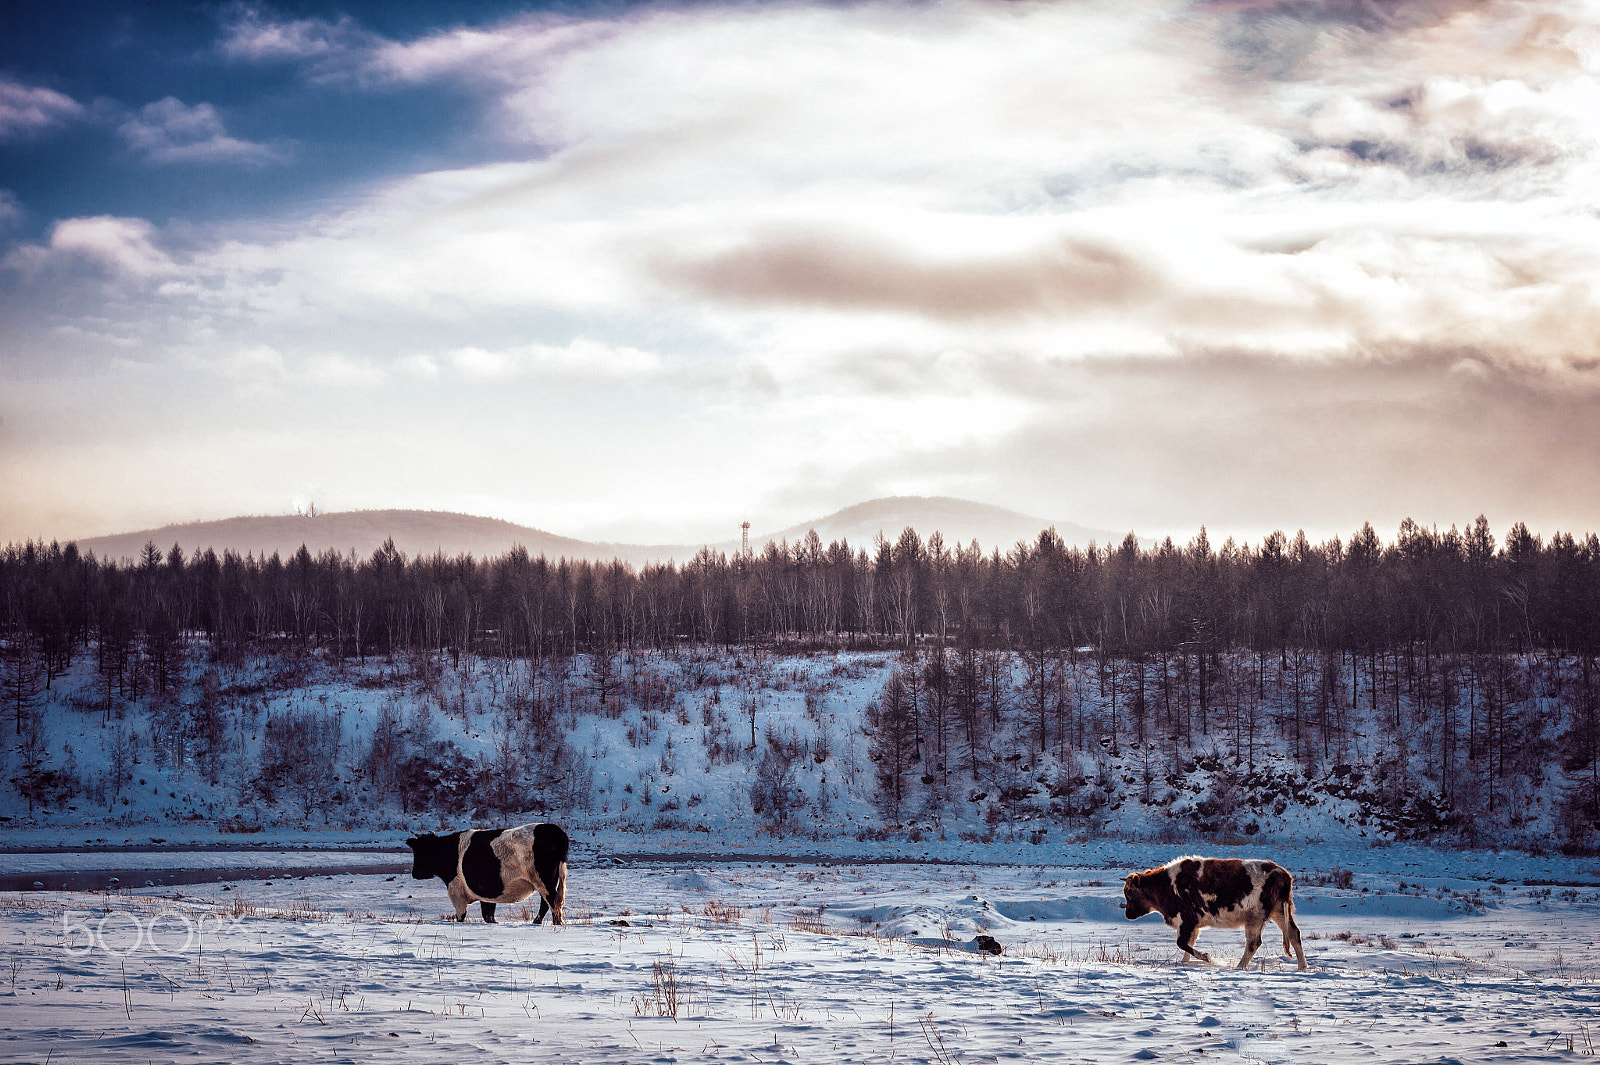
(582, 361)
(683, 140)
(122, 246)
(250, 36)
(342, 371)
(26, 110)
(252, 364)
(170, 131)
(422, 367)
(510, 54)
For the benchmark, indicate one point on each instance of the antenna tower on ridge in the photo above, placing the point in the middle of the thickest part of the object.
(744, 540)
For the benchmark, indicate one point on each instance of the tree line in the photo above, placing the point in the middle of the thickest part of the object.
(1423, 592)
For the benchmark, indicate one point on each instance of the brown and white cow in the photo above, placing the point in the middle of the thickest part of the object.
(1192, 893)
(493, 865)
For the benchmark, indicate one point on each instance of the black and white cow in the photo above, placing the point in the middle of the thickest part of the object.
(492, 865)
(1192, 893)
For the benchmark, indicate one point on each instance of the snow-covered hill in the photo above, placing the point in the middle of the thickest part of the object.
(705, 749)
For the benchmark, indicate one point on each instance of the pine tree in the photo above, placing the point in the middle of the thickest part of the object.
(21, 675)
(893, 745)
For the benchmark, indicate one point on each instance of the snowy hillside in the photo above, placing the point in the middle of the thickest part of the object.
(707, 749)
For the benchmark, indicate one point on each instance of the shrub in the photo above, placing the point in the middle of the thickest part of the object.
(444, 779)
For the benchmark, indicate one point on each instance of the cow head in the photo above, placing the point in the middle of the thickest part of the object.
(1137, 903)
(433, 856)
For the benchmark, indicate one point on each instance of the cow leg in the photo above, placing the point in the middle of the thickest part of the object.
(544, 908)
(1292, 947)
(1252, 941)
(488, 912)
(459, 898)
(1188, 930)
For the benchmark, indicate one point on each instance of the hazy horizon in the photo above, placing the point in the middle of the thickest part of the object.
(412, 541)
(636, 272)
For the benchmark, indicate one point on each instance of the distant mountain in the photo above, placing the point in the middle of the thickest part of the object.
(957, 520)
(423, 532)
(415, 532)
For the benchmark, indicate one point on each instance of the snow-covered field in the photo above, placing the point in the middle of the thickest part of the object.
(806, 962)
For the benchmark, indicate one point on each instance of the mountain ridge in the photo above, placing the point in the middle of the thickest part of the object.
(425, 532)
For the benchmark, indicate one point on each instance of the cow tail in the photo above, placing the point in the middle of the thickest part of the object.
(1292, 946)
(558, 894)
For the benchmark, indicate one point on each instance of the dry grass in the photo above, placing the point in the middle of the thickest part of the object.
(810, 921)
(241, 907)
(942, 1054)
(1102, 953)
(1579, 1042)
(721, 913)
(668, 993)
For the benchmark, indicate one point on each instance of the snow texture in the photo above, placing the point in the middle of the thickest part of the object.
(794, 962)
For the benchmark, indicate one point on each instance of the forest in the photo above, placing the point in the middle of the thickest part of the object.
(1423, 593)
(1465, 665)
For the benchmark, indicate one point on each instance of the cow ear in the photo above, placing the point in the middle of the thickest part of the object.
(1129, 877)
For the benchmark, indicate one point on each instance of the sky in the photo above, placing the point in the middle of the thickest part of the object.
(638, 272)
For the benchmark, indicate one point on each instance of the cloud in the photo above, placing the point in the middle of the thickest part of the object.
(1117, 186)
(1355, 290)
(251, 364)
(251, 36)
(509, 53)
(343, 371)
(118, 247)
(741, 182)
(28, 110)
(170, 131)
(1448, 128)
(1178, 442)
(422, 367)
(841, 271)
(581, 361)
(1097, 250)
